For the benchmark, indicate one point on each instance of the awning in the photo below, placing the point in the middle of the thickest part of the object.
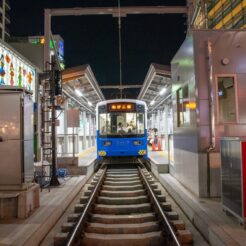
(80, 85)
(157, 86)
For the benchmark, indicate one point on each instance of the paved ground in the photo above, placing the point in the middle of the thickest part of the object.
(218, 227)
(160, 157)
(52, 205)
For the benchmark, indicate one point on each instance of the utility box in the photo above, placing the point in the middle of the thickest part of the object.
(16, 136)
(19, 197)
(233, 173)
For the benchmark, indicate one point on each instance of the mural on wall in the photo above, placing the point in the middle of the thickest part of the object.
(14, 71)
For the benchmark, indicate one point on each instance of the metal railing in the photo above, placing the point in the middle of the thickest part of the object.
(76, 234)
(73, 144)
(67, 144)
(160, 211)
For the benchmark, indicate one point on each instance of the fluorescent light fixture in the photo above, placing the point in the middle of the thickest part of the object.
(89, 103)
(152, 102)
(163, 90)
(78, 92)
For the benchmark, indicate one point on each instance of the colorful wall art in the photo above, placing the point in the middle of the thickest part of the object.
(14, 71)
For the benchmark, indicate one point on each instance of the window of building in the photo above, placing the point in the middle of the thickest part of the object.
(226, 99)
(6, 37)
(183, 113)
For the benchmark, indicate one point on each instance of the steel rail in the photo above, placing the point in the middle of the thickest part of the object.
(163, 216)
(76, 234)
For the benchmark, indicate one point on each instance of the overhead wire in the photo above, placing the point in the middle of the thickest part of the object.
(120, 47)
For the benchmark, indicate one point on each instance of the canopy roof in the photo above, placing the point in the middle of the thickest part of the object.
(80, 85)
(157, 86)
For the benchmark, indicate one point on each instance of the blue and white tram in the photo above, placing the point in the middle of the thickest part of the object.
(121, 128)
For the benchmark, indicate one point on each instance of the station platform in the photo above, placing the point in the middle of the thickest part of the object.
(80, 164)
(217, 227)
(53, 203)
(159, 161)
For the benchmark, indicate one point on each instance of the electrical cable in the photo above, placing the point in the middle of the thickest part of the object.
(120, 48)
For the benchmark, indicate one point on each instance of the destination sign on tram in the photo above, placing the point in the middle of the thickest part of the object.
(121, 107)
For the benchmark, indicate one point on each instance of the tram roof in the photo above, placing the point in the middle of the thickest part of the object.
(80, 85)
(157, 78)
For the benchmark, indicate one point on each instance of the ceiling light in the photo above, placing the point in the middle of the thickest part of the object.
(163, 90)
(89, 103)
(78, 92)
(152, 102)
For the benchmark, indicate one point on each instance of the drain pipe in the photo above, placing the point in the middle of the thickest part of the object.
(211, 146)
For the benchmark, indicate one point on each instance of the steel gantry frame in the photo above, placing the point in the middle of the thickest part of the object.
(114, 11)
(48, 13)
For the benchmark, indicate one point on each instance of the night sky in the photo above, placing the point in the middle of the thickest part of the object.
(94, 39)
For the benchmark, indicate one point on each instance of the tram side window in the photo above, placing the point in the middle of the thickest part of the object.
(183, 113)
(226, 99)
(103, 124)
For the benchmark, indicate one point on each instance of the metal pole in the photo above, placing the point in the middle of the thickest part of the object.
(47, 27)
(120, 47)
(54, 180)
(211, 146)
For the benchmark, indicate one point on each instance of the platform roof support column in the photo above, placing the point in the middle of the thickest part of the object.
(152, 120)
(166, 127)
(77, 140)
(84, 130)
(155, 121)
(158, 119)
(65, 128)
(94, 131)
(90, 126)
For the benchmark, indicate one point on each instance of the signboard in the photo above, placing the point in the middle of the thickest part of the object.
(73, 118)
(14, 71)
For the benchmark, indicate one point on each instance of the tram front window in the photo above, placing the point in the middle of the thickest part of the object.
(121, 124)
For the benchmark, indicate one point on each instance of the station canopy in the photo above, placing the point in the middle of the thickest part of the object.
(156, 89)
(80, 85)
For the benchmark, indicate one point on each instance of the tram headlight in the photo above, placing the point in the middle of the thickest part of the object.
(142, 152)
(137, 142)
(102, 153)
(107, 143)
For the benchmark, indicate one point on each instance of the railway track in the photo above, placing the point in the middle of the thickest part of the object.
(123, 207)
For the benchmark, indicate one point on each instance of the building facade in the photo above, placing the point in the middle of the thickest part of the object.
(219, 14)
(208, 88)
(4, 19)
(32, 47)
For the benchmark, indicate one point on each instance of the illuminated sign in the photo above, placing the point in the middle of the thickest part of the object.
(121, 107)
(14, 71)
(57, 42)
(190, 105)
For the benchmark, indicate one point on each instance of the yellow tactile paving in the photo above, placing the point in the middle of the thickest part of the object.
(87, 151)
